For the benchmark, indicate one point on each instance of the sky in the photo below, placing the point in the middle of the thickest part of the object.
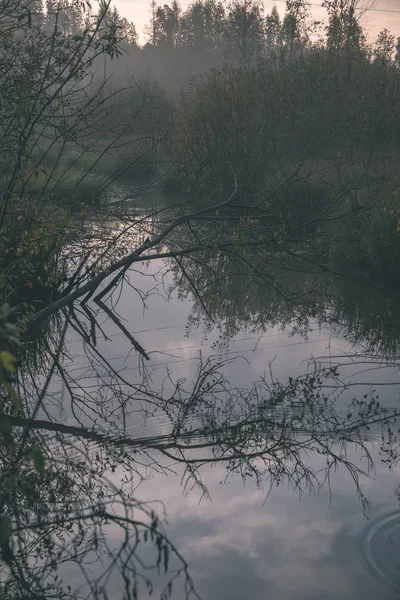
(375, 20)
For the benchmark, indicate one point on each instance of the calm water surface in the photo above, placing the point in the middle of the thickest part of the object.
(249, 540)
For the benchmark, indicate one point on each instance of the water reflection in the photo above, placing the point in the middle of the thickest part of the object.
(229, 294)
(280, 399)
(379, 546)
(286, 548)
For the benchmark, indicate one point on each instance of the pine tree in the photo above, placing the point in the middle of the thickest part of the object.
(245, 30)
(151, 30)
(273, 30)
(384, 51)
(343, 30)
(295, 24)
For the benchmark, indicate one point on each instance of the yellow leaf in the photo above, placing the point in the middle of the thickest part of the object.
(13, 395)
(19, 218)
(8, 360)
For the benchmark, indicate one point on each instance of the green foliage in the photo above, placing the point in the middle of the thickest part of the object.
(30, 240)
(244, 31)
(374, 214)
(38, 459)
(9, 399)
(298, 134)
(384, 51)
(344, 32)
(242, 120)
(216, 134)
(46, 108)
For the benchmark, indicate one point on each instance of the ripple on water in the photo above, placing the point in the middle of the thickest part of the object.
(380, 548)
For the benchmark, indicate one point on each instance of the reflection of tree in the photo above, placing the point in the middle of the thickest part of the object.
(60, 501)
(58, 505)
(250, 289)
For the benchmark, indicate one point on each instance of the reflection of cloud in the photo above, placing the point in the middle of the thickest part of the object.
(235, 577)
(238, 547)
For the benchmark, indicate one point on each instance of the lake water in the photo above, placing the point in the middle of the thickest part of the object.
(278, 538)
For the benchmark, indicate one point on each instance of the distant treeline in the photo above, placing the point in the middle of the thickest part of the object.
(181, 42)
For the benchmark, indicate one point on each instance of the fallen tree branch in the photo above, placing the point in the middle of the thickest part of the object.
(124, 262)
